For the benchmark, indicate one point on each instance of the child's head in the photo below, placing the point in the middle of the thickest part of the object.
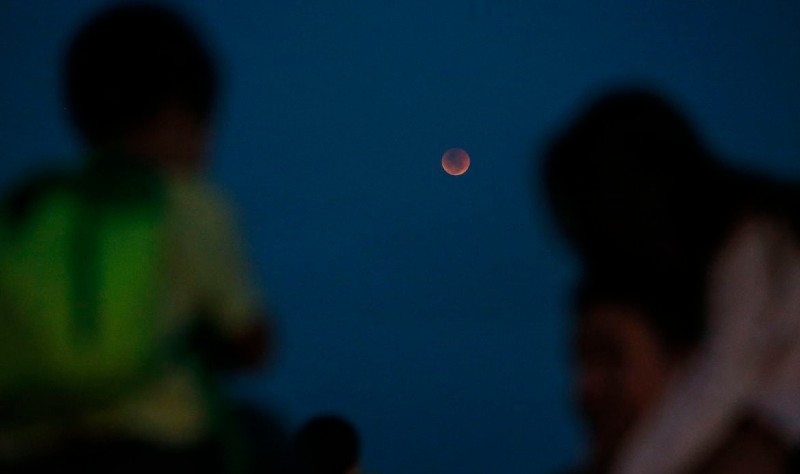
(327, 444)
(138, 79)
(632, 338)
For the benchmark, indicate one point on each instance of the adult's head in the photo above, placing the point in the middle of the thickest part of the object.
(630, 181)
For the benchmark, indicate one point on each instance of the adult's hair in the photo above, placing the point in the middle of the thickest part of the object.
(127, 63)
(672, 306)
(327, 444)
(647, 207)
(631, 183)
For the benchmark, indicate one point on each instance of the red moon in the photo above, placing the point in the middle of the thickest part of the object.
(455, 161)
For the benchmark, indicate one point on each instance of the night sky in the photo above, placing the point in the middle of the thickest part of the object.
(431, 310)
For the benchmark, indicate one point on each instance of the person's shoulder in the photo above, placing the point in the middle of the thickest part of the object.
(196, 197)
(193, 187)
(26, 192)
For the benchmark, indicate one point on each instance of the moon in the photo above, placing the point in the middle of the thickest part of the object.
(455, 161)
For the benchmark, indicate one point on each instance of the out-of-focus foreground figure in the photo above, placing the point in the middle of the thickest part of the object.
(633, 337)
(122, 288)
(637, 193)
(327, 444)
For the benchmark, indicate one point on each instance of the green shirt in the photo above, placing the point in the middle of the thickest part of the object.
(206, 270)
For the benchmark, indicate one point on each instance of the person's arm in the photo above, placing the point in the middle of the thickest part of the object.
(233, 329)
(747, 308)
(247, 348)
(752, 447)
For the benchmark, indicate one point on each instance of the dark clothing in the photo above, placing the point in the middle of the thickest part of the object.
(123, 456)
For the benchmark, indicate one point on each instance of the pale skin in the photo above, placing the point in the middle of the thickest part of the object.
(751, 448)
(745, 372)
(623, 369)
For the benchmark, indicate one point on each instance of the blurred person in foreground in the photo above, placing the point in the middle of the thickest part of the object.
(327, 444)
(635, 190)
(633, 336)
(123, 289)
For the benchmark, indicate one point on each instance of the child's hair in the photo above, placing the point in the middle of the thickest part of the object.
(127, 63)
(327, 444)
(673, 306)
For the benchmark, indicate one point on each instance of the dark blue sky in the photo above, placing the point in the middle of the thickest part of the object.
(429, 309)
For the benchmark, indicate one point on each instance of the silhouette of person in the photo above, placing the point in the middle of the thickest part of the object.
(633, 336)
(141, 89)
(636, 191)
(327, 444)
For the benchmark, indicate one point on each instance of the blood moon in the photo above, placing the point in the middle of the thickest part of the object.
(455, 161)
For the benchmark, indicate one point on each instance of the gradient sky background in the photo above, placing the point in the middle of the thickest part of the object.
(429, 309)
